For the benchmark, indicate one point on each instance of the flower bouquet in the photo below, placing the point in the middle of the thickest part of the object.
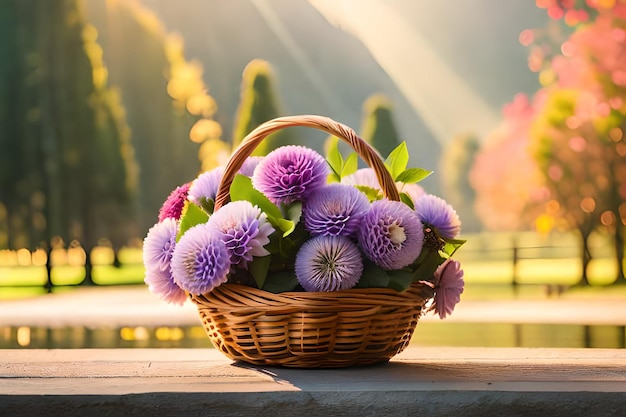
(297, 260)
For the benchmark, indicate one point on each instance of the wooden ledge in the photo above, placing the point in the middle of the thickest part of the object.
(420, 381)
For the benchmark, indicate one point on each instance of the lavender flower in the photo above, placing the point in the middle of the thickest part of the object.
(290, 173)
(434, 211)
(391, 235)
(328, 263)
(205, 186)
(162, 284)
(449, 276)
(173, 205)
(200, 261)
(244, 229)
(249, 165)
(334, 209)
(158, 248)
(159, 244)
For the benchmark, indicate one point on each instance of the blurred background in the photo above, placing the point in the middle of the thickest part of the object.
(107, 105)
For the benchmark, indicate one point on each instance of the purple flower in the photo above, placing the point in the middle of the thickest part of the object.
(434, 211)
(158, 248)
(249, 165)
(162, 284)
(200, 261)
(290, 173)
(173, 205)
(449, 276)
(244, 229)
(205, 186)
(391, 235)
(328, 263)
(334, 209)
(159, 244)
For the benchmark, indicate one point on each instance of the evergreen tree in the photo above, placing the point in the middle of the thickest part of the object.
(72, 165)
(455, 164)
(378, 127)
(259, 104)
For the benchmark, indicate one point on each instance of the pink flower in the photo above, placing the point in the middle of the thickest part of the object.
(448, 288)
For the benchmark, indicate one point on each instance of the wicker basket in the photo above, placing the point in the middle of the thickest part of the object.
(310, 329)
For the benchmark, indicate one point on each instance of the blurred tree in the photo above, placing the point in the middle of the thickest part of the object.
(504, 176)
(257, 105)
(72, 172)
(164, 96)
(378, 127)
(455, 164)
(578, 138)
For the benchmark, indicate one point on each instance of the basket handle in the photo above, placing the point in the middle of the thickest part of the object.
(254, 138)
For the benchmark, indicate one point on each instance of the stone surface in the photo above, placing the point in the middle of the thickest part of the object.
(420, 381)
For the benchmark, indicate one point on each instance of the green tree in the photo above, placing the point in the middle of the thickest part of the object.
(455, 165)
(378, 127)
(75, 168)
(257, 105)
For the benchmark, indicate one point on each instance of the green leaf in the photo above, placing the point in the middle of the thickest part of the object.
(284, 225)
(351, 165)
(413, 175)
(400, 280)
(397, 160)
(242, 189)
(191, 216)
(280, 281)
(373, 276)
(406, 199)
(452, 245)
(372, 193)
(334, 158)
(258, 269)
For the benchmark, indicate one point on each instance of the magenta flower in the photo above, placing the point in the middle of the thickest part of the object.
(173, 205)
(159, 244)
(434, 211)
(334, 209)
(200, 261)
(204, 187)
(244, 229)
(162, 284)
(449, 286)
(391, 235)
(290, 173)
(249, 165)
(328, 263)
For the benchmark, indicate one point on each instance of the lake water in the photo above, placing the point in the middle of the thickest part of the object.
(426, 334)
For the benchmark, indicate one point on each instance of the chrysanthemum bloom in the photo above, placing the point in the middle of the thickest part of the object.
(449, 286)
(390, 234)
(200, 261)
(436, 212)
(290, 173)
(334, 209)
(162, 284)
(173, 205)
(244, 229)
(204, 187)
(248, 166)
(159, 244)
(328, 263)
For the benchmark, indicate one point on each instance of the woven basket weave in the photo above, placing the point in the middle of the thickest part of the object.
(310, 329)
